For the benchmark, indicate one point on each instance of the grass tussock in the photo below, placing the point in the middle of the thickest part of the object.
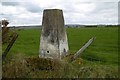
(37, 63)
(35, 67)
(30, 67)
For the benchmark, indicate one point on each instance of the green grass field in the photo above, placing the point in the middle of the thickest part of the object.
(104, 48)
(103, 51)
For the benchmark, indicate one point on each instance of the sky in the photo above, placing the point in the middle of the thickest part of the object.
(30, 12)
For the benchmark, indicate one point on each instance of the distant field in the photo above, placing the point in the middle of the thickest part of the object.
(103, 49)
(99, 60)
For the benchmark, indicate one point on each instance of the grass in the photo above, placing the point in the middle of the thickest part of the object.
(27, 42)
(100, 59)
(105, 46)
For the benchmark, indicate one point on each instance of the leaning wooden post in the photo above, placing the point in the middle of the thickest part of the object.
(83, 48)
(15, 35)
(53, 41)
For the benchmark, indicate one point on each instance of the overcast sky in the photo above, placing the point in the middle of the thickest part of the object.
(24, 12)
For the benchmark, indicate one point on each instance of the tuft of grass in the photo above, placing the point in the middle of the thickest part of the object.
(34, 67)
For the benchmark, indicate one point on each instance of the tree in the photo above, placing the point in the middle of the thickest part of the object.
(4, 23)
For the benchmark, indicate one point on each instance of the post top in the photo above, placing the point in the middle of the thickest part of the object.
(52, 10)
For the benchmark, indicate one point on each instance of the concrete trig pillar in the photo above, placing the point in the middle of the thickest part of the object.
(53, 41)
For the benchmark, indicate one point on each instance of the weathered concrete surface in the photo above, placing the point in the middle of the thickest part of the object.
(53, 41)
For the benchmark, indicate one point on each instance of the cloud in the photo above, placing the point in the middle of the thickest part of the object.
(10, 3)
(75, 12)
(93, 13)
(32, 7)
(106, 6)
